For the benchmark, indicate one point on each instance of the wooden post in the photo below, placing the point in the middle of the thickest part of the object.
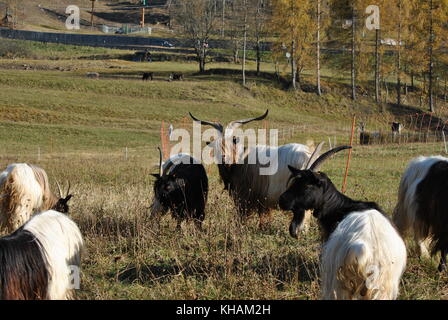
(344, 185)
(142, 22)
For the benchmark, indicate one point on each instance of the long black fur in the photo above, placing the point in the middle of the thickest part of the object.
(183, 191)
(23, 272)
(314, 191)
(432, 203)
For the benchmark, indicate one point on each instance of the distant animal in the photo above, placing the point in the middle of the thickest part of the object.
(176, 76)
(93, 75)
(396, 127)
(39, 260)
(148, 76)
(250, 190)
(24, 190)
(363, 256)
(422, 206)
(181, 187)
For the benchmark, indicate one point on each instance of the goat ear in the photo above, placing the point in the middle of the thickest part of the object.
(293, 170)
(67, 198)
(156, 175)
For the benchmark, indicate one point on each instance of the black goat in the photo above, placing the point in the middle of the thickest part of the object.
(182, 188)
(148, 76)
(363, 256)
(422, 205)
(312, 190)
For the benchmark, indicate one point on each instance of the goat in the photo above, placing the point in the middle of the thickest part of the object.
(181, 187)
(422, 205)
(37, 259)
(251, 191)
(24, 190)
(363, 256)
(396, 127)
(176, 76)
(148, 76)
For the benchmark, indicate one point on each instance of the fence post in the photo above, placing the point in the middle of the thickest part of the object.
(344, 185)
(444, 141)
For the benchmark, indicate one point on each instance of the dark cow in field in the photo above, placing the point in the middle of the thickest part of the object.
(148, 76)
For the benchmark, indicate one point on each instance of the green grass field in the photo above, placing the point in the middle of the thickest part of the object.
(78, 128)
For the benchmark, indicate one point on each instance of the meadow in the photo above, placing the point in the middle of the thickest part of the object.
(78, 129)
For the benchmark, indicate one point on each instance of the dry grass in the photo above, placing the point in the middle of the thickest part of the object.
(82, 126)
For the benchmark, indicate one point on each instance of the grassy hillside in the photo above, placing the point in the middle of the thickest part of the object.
(82, 126)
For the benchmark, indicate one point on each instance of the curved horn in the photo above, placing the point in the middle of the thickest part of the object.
(160, 160)
(244, 121)
(316, 164)
(59, 188)
(314, 155)
(68, 189)
(215, 125)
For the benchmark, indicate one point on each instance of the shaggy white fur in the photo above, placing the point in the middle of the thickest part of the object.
(364, 258)
(406, 208)
(22, 195)
(61, 243)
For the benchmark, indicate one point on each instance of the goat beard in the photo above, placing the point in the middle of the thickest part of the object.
(296, 222)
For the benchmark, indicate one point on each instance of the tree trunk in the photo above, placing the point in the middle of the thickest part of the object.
(293, 65)
(319, 91)
(353, 53)
(377, 66)
(399, 57)
(258, 55)
(223, 17)
(244, 42)
(431, 62)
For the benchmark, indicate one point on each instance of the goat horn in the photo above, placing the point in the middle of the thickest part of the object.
(316, 164)
(160, 160)
(314, 155)
(215, 125)
(244, 121)
(59, 188)
(68, 189)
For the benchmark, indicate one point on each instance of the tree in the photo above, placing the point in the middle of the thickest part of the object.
(430, 24)
(261, 16)
(197, 19)
(292, 22)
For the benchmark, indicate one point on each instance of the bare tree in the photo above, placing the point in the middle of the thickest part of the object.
(196, 19)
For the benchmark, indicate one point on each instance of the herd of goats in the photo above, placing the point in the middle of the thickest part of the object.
(363, 254)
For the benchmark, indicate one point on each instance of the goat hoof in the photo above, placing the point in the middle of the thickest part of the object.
(442, 267)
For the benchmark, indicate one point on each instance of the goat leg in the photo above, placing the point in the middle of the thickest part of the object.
(442, 265)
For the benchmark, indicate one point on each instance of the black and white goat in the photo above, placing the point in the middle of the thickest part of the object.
(39, 260)
(363, 255)
(24, 190)
(423, 205)
(181, 187)
(251, 191)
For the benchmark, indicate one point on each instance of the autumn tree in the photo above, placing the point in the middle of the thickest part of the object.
(292, 23)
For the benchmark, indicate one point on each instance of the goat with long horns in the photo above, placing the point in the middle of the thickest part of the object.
(363, 256)
(250, 190)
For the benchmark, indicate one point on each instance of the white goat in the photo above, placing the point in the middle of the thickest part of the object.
(24, 190)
